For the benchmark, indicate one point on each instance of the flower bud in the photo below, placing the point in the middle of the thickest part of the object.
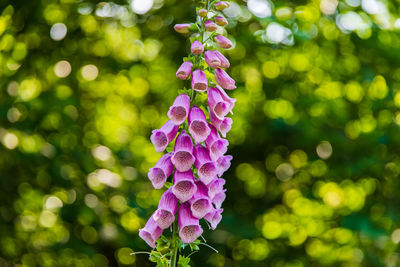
(210, 26)
(223, 41)
(197, 48)
(202, 12)
(221, 5)
(220, 20)
(182, 28)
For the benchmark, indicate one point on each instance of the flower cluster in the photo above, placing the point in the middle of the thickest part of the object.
(198, 159)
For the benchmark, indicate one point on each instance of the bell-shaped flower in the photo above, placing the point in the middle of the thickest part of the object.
(216, 145)
(224, 80)
(198, 126)
(182, 28)
(223, 126)
(189, 227)
(179, 111)
(223, 42)
(212, 59)
(206, 168)
(197, 47)
(184, 187)
(217, 104)
(210, 26)
(200, 204)
(184, 70)
(150, 232)
(226, 98)
(165, 214)
(223, 164)
(163, 136)
(183, 158)
(220, 20)
(199, 81)
(161, 171)
(214, 217)
(219, 198)
(216, 186)
(221, 5)
(224, 61)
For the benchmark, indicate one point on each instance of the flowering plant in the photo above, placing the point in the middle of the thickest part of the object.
(197, 120)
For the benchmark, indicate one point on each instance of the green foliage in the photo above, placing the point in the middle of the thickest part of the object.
(183, 261)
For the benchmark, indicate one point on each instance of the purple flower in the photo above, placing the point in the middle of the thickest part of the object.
(220, 20)
(214, 217)
(223, 126)
(219, 198)
(216, 186)
(224, 80)
(206, 168)
(202, 12)
(197, 47)
(183, 158)
(223, 164)
(212, 59)
(165, 214)
(221, 5)
(217, 104)
(184, 187)
(210, 26)
(226, 98)
(224, 61)
(182, 28)
(200, 204)
(223, 42)
(161, 171)
(163, 136)
(189, 228)
(198, 126)
(199, 81)
(179, 111)
(216, 145)
(184, 70)
(150, 232)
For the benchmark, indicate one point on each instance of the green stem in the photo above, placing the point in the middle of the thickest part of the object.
(174, 249)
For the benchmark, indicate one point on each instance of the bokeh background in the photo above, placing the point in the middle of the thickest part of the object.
(315, 139)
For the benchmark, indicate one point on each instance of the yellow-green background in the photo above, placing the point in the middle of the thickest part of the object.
(315, 138)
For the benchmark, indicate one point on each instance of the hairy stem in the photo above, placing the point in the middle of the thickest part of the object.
(174, 248)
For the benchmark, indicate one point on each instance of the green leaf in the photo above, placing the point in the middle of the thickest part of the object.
(194, 247)
(154, 256)
(162, 262)
(183, 261)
